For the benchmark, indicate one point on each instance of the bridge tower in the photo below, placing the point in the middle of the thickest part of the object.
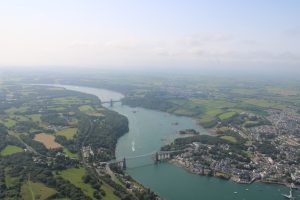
(124, 164)
(156, 158)
(111, 103)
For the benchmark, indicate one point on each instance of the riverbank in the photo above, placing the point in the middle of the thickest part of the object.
(148, 129)
(189, 169)
(223, 157)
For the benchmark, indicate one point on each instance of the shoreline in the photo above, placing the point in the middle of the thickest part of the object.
(176, 163)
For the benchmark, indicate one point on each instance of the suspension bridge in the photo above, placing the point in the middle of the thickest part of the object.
(157, 156)
(111, 102)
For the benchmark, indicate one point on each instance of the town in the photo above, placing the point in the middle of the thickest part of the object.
(267, 153)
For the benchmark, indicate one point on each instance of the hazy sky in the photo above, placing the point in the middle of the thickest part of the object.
(150, 33)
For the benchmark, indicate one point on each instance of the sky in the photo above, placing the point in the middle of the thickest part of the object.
(214, 34)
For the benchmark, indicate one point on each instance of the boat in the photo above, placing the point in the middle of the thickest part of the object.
(290, 196)
(133, 146)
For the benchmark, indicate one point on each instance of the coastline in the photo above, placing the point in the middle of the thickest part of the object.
(178, 164)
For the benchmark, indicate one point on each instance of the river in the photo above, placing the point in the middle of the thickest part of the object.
(148, 131)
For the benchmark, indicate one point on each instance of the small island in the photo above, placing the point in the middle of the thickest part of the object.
(188, 132)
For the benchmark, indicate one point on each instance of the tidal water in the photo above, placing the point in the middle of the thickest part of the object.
(148, 131)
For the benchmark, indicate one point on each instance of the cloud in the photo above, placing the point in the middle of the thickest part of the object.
(224, 47)
(196, 48)
(200, 39)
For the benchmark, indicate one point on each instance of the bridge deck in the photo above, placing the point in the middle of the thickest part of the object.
(144, 155)
(114, 101)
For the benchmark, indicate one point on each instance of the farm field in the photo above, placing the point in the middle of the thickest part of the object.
(9, 123)
(89, 110)
(109, 195)
(10, 149)
(70, 154)
(229, 138)
(226, 115)
(75, 175)
(14, 110)
(69, 133)
(36, 191)
(86, 108)
(10, 181)
(35, 118)
(47, 140)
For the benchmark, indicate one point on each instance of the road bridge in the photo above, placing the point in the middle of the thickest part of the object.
(158, 156)
(111, 102)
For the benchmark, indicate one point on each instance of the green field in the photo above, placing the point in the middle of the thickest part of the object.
(265, 103)
(58, 108)
(20, 118)
(205, 110)
(70, 154)
(226, 115)
(229, 138)
(14, 110)
(245, 91)
(214, 112)
(10, 181)
(34, 191)
(283, 91)
(26, 93)
(67, 100)
(74, 175)
(247, 154)
(69, 133)
(35, 118)
(86, 108)
(109, 195)
(10, 149)
(9, 123)
(90, 110)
